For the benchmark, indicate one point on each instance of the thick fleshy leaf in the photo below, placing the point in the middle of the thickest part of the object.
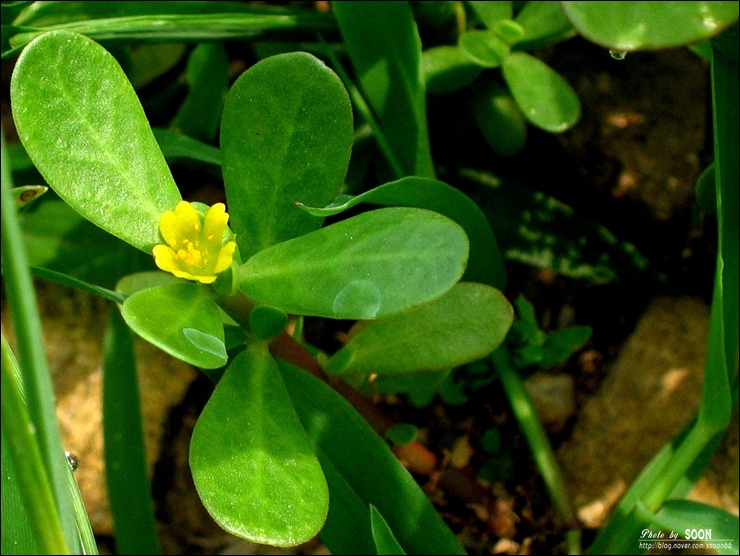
(485, 263)
(181, 319)
(286, 136)
(498, 117)
(543, 23)
(132, 283)
(144, 64)
(85, 130)
(383, 44)
(372, 265)
(447, 68)
(465, 324)
(649, 25)
(543, 95)
(266, 322)
(490, 13)
(361, 470)
(253, 464)
(484, 48)
(208, 76)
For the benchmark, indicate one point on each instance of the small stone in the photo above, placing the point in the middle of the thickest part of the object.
(651, 392)
(553, 397)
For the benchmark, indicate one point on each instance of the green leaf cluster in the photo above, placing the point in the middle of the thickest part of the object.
(526, 90)
(278, 456)
(286, 137)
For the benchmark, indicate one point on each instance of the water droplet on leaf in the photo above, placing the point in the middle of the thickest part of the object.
(618, 54)
(360, 299)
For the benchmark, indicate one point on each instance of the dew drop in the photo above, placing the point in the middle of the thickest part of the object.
(360, 299)
(618, 54)
(74, 462)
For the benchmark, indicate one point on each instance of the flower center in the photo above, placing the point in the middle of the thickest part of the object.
(191, 255)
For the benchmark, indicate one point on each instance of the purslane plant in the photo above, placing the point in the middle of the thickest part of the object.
(277, 456)
(189, 323)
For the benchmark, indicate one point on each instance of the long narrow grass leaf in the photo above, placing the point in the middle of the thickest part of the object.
(125, 455)
(185, 28)
(72, 282)
(364, 109)
(384, 46)
(34, 524)
(542, 452)
(34, 367)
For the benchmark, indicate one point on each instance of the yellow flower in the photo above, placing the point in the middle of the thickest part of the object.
(195, 247)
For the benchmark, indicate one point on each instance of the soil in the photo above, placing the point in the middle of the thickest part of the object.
(630, 164)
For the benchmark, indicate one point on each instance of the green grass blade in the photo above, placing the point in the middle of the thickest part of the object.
(685, 515)
(716, 406)
(87, 537)
(542, 452)
(185, 28)
(125, 455)
(716, 401)
(358, 100)
(34, 367)
(72, 282)
(29, 515)
(385, 50)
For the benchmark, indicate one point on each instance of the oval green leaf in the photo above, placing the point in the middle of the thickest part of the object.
(465, 324)
(484, 48)
(649, 25)
(543, 23)
(83, 127)
(181, 319)
(266, 322)
(253, 464)
(446, 69)
(369, 266)
(485, 264)
(361, 470)
(543, 95)
(498, 117)
(286, 136)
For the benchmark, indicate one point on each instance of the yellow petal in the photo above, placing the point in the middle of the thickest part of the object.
(225, 256)
(184, 228)
(204, 279)
(215, 223)
(164, 257)
(169, 228)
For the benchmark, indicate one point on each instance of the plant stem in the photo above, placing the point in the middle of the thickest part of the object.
(285, 347)
(539, 444)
